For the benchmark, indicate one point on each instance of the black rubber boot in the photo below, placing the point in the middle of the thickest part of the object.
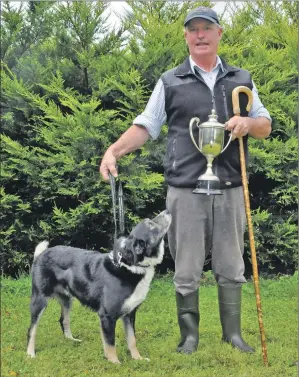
(188, 319)
(230, 316)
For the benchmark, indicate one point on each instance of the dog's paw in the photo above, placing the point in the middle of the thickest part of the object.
(114, 361)
(32, 355)
(73, 339)
(139, 357)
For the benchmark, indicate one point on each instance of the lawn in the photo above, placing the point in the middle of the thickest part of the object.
(157, 335)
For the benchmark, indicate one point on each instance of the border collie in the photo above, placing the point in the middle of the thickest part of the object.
(112, 289)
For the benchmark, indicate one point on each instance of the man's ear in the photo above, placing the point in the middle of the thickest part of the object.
(220, 33)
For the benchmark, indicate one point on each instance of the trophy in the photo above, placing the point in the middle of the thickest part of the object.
(210, 144)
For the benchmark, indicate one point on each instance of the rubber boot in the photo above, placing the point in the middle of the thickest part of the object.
(230, 316)
(188, 319)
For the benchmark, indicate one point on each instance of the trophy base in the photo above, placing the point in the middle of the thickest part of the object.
(208, 188)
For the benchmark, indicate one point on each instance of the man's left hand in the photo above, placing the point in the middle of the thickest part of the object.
(239, 126)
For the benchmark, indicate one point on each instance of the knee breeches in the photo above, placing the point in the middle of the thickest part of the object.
(202, 224)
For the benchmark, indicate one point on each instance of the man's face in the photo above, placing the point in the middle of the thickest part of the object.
(202, 37)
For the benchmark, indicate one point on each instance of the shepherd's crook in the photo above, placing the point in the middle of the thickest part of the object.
(236, 110)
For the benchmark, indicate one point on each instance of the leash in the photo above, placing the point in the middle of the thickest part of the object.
(116, 257)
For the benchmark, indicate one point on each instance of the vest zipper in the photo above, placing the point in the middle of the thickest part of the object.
(174, 153)
(198, 76)
(213, 100)
(225, 102)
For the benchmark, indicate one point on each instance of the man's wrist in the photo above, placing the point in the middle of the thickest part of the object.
(113, 150)
(250, 124)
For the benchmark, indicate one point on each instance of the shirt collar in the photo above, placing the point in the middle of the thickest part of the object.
(217, 66)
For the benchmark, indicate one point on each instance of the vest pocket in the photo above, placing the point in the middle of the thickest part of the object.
(170, 159)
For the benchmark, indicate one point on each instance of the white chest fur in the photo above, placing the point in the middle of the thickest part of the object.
(140, 292)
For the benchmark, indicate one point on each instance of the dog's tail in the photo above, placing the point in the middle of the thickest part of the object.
(42, 246)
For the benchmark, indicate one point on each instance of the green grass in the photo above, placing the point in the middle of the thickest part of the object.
(157, 336)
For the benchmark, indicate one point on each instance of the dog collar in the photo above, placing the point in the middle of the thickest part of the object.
(115, 261)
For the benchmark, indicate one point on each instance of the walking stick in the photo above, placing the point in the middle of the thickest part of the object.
(236, 110)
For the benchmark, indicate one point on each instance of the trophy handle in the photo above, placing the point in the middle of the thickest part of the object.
(191, 131)
(228, 143)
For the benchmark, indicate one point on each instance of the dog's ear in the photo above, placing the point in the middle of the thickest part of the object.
(142, 247)
(139, 246)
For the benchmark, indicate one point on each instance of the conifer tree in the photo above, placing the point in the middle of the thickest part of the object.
(71, 85)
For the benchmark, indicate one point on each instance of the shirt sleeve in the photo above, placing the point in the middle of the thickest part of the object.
(154, 115)
(257, 108)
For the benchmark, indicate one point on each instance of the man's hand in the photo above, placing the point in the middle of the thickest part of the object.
(108, 164)
(259, 127)
(239, 126)
(129, 141)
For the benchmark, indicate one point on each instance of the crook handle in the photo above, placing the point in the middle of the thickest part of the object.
(235, 98)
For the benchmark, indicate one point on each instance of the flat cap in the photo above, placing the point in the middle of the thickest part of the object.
(202, 12)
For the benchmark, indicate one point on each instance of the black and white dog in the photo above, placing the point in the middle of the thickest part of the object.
(113, 290)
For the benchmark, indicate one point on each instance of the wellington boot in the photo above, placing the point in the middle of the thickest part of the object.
(188, 319)
(230, 316)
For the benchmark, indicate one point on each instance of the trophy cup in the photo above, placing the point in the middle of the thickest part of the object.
(210, 144)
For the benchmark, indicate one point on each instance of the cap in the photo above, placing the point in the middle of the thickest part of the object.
(202, 12)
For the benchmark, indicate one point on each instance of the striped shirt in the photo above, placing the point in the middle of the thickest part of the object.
(154, 116)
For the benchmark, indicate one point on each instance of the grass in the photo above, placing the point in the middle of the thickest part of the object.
(157, 336)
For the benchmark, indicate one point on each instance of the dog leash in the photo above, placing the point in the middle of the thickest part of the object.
(116, 255)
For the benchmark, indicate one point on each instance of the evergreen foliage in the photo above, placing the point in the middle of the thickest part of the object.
(71, 85)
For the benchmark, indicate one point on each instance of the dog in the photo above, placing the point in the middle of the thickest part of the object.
(112, 289)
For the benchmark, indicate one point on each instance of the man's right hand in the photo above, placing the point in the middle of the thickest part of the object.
(108, 164)
(129, 141)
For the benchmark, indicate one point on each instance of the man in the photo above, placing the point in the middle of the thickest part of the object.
(201, 223)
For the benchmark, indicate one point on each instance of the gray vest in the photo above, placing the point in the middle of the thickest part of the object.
(188, 96)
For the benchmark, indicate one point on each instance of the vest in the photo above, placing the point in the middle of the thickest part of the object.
(187, 96)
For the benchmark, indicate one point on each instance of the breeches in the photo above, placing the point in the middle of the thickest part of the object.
(202, 224)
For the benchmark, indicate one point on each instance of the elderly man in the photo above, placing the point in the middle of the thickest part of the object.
(201, 223)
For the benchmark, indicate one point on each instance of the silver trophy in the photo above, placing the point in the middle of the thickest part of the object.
(210, 144)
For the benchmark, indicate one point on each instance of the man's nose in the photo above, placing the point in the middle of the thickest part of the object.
(200, 34)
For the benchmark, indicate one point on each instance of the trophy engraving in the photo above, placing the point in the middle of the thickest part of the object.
(210, 144)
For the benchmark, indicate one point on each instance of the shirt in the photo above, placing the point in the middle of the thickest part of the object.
(154, 115)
